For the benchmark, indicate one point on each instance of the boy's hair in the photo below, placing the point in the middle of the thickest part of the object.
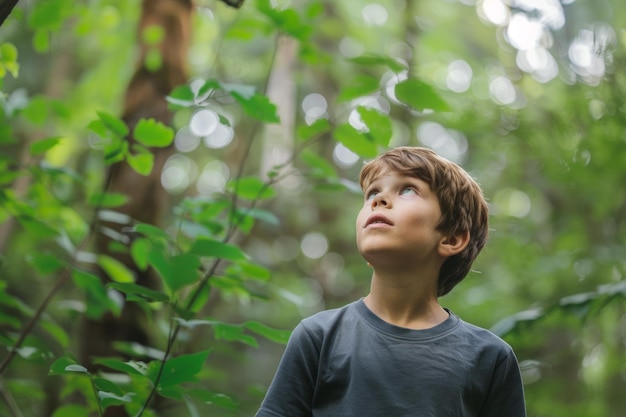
(463, 207)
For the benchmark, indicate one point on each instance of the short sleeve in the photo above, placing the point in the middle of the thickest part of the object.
(506, 392)
(291, 392)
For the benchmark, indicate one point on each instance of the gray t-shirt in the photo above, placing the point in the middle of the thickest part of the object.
(349, 362)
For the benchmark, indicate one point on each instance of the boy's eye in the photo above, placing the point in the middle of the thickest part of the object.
(408, 190)
(371, 194)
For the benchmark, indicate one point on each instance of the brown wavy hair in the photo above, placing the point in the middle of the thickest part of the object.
(463, 206)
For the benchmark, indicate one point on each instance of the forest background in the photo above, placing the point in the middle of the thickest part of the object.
(179, 188)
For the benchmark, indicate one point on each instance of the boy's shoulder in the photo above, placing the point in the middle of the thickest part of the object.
(484, 338)
(327, 318)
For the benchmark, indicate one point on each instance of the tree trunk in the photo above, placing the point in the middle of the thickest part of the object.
(148, 200)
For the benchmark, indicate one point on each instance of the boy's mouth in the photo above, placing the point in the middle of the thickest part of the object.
(377, 219)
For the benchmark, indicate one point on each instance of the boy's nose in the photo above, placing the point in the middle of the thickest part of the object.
(380, 200)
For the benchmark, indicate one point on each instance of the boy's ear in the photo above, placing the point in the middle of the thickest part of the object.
(453, 244)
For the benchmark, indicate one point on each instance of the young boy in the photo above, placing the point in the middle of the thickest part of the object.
(397, 352)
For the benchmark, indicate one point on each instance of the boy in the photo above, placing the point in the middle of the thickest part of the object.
(397, 352)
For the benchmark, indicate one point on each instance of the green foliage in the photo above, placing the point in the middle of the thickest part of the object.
(229, 263)
(8, 60)
(149, 132)
(419, 95)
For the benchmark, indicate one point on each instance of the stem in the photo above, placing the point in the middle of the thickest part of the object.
(171, 339)
(5, 9)
(62, 279)
(9, 400)
(95, 394)
(233, 223)
(40, 310)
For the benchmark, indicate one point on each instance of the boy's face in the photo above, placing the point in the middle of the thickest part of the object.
(397, 225)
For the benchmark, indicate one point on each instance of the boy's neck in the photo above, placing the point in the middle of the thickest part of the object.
(412, 305)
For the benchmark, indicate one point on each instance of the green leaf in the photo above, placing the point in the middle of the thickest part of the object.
(242, 220)
(136, 292)
(134, 349)
(229, 285)
(97, 298)
(369, 60)
(320, 167)
(116, 270)
(175, 392)
(152, 133)
(178, 370)
(251, 188)
(244, 91)
(286, 20)
(233, 333)
(66, 365)
(99, 199)
(201, 299)
(215, 249)
(178, 271)
(379, 125)
(107, 385)
(275, 335)
(578, 304)
(254, 271)
(263, 215)
(419, 95)
(108, 399)
(33, 349)
(10, 320)
(8, 53)
(214, 398)
(54, 171)
(258, 107)
(360, 85)
(248, 270)
(37, 227)
(49, 14)
(57, 332)
(139, 250)
(315, 129)
(71, 410)
(130, 367)
(181, 97)
(45, 263)
(98, 127)
(113, 124)
(356, 141)
(245, 29)
(41, 40)
(142, 161)
(508, 324)
(42, 146)
(37, 111)
(152, 232)
(255, 105)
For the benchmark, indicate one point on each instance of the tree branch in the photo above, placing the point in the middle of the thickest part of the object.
(6, 7)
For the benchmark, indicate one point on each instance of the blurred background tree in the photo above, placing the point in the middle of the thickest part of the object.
(526, 95)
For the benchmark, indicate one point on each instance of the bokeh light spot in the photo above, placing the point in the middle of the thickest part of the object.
(221, 137)
(459, 77)
(502, 90)
(344, 157)
(213, 178)
(203, 122)
(374, 14)
(314, 245)
(185, 140)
